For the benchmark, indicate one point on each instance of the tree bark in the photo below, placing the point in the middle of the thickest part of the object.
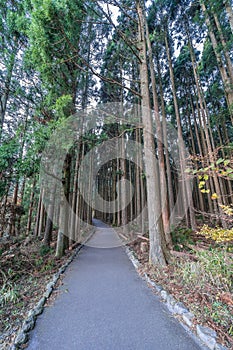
(158, 249)
(186, 186)
(159, 133)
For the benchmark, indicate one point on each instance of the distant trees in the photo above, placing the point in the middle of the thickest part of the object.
(173, 60)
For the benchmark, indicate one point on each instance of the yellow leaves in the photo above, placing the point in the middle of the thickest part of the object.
(201, 184)
(218, 234)
(228, 209)
(214, 196)
(205, 191)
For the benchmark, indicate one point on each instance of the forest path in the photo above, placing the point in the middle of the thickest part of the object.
(104, 305)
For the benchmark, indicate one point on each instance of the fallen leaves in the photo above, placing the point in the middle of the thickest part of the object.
(26, 273)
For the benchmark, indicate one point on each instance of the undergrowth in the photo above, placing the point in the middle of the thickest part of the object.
(201, 276)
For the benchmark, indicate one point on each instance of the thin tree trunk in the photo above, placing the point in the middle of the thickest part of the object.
(229, 12)
(186, 186)
(225, 49)
(226, 82)
(5, 95)
(123, 186)
(31, 206)
(50, 216)
(165, 140)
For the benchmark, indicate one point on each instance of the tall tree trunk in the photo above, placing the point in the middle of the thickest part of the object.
(63, 234)
(229, 12)
(74, 199)
(159, 133)
(186, 186)
(123, 185)
(31, 206)
(49, 220)
(165, 140)
(40, 203)
(5, 94)
(208, 133)
(158, 250)
(225, 49)
(226, 81)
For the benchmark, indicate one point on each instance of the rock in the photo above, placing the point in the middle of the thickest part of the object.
(28, 324)
(62, 269)
(31, 314)
(21, 338)
(164, 295)
(26, 327)
(50, 285)
(55, 278)
(207, 335)
(158, 288)
(219, 347)
(48, 292)
(171, 302)
(188, 318)
(180, 309)
(40, 306)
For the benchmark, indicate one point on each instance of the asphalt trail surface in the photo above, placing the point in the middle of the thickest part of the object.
(104, 305)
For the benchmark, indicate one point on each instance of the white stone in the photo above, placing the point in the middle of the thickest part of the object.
(164, 295)
(208, 336)
(188, 318)
(180, 309)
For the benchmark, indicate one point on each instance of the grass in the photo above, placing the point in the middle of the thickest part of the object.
(203, 283)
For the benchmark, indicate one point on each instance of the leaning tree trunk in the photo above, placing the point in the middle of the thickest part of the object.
(226, 81)
(229, 12)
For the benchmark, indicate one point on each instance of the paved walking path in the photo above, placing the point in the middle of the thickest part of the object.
(105, 305)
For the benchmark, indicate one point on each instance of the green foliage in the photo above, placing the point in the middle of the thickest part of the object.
(214, 267)
(8, 294)
(44, 250)
(180, 237)
(50, 264)
(220, 313)
(54, 40)
(63, 105)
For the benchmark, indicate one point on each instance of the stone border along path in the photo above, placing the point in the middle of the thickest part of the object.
(205, 334)
(30, 322)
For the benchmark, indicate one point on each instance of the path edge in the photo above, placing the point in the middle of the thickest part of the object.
(29, 322)
(206, 335)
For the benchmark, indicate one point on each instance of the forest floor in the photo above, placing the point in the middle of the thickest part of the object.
(199, 276)
(26, 268)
